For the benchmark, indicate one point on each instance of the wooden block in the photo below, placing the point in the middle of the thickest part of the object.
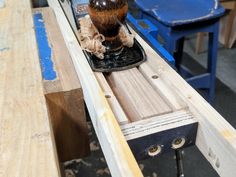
(69, 125)
(64, 96)
(136, 95)
(26, 140)
(156, 124)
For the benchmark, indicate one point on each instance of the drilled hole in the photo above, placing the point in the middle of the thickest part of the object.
(154, 150)
(108, 96)
(178, 143)
(155, 76)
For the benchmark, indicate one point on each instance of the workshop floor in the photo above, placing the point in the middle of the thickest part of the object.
(195, 164)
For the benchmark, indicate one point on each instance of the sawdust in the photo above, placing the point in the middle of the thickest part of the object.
(103, 160)
(91, 40)
(101, 172)
(83, 162)
(94, 146)
(154, 174)
(141, 166)
(69, 173)
(126, 38)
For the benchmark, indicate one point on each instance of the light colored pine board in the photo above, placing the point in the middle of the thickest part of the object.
(60, 55)
(233, 31)
(157, 124)
(199, 42)
(216, 138)
(26, 139)
(2, 3)
(113, 102)
(170, 96)
(66, 6)
(119, 157)
(136, 95)
(64, 96)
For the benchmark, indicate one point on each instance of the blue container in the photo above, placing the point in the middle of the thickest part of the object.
(80, 8)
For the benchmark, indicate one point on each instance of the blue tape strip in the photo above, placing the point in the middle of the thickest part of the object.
(45, 52)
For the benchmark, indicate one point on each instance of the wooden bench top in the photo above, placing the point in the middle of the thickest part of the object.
(26, 140)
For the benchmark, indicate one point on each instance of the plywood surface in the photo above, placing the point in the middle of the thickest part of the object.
(26, 140)
(136, 95)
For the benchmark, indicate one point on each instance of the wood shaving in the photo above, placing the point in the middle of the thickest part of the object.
(83, 162)
(91, 40)
(103, 159)
(141, 166)
(89, 124)
(101, 172)
(154, 174)
(126, 38)
(69, 173)
(67, 163)
(94, 146)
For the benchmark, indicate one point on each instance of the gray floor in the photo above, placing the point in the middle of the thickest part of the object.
(226, 63)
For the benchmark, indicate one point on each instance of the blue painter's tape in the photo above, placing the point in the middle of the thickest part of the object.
(45, 52)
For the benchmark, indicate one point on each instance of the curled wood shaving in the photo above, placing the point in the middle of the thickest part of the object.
(101, 172)
(94, 146)
(154, 174)
(141, 166)
(126, 38)
(103, 159)
(69, 173)
(83, 162)
(91, 40)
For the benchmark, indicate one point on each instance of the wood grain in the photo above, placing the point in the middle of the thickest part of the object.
(168, 94)
(119, 157)
(136, 95)
(26, 139)
(112, 100)
(64, 97)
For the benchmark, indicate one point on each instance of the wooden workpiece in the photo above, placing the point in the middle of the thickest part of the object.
(216, 139)
(26, 140)
(136, 95)
(64, 96)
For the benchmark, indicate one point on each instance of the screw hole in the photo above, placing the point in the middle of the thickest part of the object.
(108, 96)
(155, 77)
(178, 143)
(154, 150)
